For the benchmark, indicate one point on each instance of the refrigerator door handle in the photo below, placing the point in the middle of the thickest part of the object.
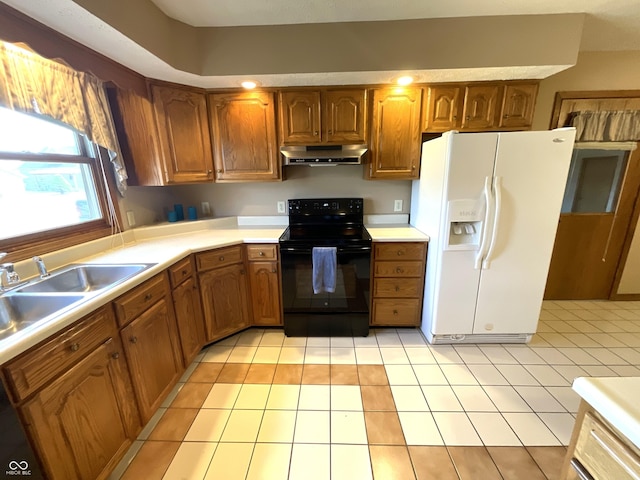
(485, 225)
(497, 188)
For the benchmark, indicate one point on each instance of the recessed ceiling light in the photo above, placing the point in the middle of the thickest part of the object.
(249, 84)
(405, 80)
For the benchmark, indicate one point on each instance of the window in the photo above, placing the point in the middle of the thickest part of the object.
(50, 182)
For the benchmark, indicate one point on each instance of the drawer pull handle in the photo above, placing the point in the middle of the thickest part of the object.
(400, 252)
(582, 472)
(184, 272)
(148, 297)
(261, 253)
(399, 270)
(395, 312)
(133, 339)
(115, 355)
(75, 347)
(221, 259)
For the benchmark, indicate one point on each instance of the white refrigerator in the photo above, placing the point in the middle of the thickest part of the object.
(490, 203)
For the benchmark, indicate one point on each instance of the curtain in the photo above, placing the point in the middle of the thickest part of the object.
(606, 125)
(32, 84)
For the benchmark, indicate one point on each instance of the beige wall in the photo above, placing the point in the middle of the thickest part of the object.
(597, 71)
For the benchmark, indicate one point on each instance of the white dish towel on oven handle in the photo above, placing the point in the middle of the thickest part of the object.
(324, 260)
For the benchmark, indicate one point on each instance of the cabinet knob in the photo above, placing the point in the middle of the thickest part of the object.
(261, 253)
(133, 339)
(184, 272)
(209, 172)
(221, 259)
(397, 288)
(395, 312)
(315, 133)
(242, 272)
(413, 167)
(399, 270)
(399, 252)
(330, 132)
(467, 118)
(274, 270)
(455, 117)
(219, 170)
(115, 355)
(148, 297)
(506, 116)
(75, 347)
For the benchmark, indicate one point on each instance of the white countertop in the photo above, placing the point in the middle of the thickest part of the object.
(163, 245)
(616, 399)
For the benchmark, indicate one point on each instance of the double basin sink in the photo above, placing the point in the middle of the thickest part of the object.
(43, 299)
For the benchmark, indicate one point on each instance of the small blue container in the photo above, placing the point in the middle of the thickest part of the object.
(179, 211)
(172, 216)
(192, 213)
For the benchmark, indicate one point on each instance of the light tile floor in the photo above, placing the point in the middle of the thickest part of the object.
(259, 405)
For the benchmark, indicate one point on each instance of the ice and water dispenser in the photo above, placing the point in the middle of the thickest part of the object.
(464, 221)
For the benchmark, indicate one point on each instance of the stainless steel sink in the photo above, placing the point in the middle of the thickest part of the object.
(85, 278)
(18, 311)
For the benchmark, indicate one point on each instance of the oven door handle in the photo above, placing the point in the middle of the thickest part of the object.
(339, 249)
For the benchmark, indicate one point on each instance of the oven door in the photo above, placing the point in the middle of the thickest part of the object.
(343, 312)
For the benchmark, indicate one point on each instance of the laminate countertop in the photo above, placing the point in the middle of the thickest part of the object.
(161, 245)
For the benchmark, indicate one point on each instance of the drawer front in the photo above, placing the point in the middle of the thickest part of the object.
(220, 257)
(132, 304)
(400, 251)
(603, 454)
(262, 252)
(37, 367)
(399, 269)
(180, 271)
(397, 287)
(388, 311)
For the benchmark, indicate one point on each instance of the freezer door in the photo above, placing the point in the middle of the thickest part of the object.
(531, 173)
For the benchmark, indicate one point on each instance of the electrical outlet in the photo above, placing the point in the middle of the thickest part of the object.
(131, 218)
(397, 205)
(281, 207)
(206, 209)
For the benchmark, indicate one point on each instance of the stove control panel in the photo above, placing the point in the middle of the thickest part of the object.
(325, 206)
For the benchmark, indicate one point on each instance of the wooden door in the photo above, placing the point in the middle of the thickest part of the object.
(153, 353)
(479, 110)
(224, 300)
(344, 116)
(186, 301)
(442, 109)
(597, 208)
(517, 106)
(300, 117)
(395, 134)
(265, 293)
(85, 420)
(183, 128)
(244, 133)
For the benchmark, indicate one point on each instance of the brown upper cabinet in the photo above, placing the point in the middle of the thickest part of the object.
(244, 135)
(394, 148)
(310, 117)
(183, 130)
(479, 106)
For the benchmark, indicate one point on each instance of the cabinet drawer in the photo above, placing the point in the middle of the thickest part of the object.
(180, 271)
(35, 368)
(387, 311)
(132, 304)
(397, 287)
(262, 252)
(219, 257)
(603, 454)
(400, 251)
(399, 269)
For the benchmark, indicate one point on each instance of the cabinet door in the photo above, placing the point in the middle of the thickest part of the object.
(154, 357)
(480, 103)
(344, 116)
(183, 128)
(244, 133)
(395, 134)
(186, 301)
(138, 137)
(442, 109)
(224, 300)
(300, 117)
(86, 420)
(517, 106)
(265, 293)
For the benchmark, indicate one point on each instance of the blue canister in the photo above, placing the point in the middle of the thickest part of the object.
(179, 211)
(172, 216)
(192, 213)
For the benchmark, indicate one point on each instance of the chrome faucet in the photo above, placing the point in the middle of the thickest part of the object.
(8, 276)
(42, 269)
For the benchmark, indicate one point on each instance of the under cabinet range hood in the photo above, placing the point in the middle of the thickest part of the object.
(323, 155)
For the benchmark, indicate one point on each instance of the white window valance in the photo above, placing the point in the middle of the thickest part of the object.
(606, 125)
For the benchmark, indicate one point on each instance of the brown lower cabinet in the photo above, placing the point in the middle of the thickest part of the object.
(265, 284)
(223, 286)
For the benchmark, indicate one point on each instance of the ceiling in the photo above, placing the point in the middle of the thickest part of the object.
(115, 29)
